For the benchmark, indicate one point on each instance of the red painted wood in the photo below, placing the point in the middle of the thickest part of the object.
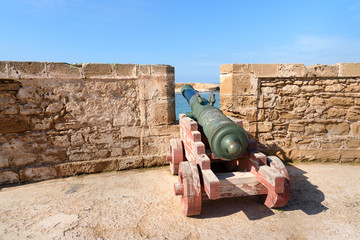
(265, 176)
(189, 183)
(175, 155)
(281, 199)
(211, 184)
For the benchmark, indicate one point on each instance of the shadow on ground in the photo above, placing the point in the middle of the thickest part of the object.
(304, 196)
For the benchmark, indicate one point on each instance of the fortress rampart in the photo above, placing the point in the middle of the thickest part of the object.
(60, 120)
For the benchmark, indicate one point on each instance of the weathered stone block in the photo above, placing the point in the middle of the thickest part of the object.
(102, 153)
(268, 91)
(290, 70)
(131, 146)
(7, 99)
(264, 126)
(163, 130)
(156, 89)
(98, 70)
(9, 84)
(334, 88)
(332, 144)
(349, 69)
(3, 70)
(353, 142)
(13, 124)
(352, 88)
(40, 124)
(131, 131)
(353, 113)
(103, 138)
(51, 155)
(10, 111)
(338, 129)
(37, 173)
(226, 85)
(28, 94)
(124, 71)
(293, 127)
(61, 141)
(335, 113)
(321, 71)
(316, 101)
(155, 145)
(116, 152)
(143, 70)
(162, 70)
(291, 89)
(265, 70)
(27, 70)
(247, 113)
(30, 109)
(63, 70)
(67, 126)
(349, 155)
(75, 168)
(290, 115)
(246, 101)
(159, 113)
(311, 88)
(4, 160)
(80, 156)
(157, 160)
(55, 107)
(8, 177)
(320, 155)
(355, 129)
(340, 101)
(244, 84)
(316, 128)
(130, 163)
(235, 68)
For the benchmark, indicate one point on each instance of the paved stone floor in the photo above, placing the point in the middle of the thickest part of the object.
(140, 204)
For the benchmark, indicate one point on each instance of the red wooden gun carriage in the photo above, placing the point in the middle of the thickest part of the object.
(203, 175)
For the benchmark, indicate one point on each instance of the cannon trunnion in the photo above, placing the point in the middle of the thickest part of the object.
(233, 168)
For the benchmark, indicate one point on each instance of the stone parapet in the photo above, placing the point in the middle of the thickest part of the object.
(58, 119)
(297, 112)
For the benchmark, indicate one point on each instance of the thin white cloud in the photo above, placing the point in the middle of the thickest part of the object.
(308, 49)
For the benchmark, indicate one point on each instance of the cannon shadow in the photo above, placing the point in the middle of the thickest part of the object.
(304, 196)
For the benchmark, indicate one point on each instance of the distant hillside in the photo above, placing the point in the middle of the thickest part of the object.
(201, 87)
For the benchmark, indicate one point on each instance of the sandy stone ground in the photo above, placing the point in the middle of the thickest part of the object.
(140, 204)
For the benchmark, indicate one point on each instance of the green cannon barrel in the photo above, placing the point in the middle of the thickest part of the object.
(227, 140)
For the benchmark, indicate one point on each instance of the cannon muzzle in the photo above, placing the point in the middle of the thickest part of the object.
(227, 140)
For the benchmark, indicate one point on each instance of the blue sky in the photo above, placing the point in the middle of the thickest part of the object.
(195, 37)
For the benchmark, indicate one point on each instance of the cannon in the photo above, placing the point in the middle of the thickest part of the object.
(227, 140)
(215, 158)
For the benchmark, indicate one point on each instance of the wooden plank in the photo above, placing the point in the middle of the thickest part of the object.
(227, 191)
(211, 184)
(235, 184)
(271, 179)
(236, 178)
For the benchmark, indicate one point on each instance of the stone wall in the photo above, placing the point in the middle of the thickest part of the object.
(60, 120)
(297, 112)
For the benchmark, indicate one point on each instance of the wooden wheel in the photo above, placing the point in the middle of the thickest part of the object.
(175, 155)
(189, 188)
(273, 199)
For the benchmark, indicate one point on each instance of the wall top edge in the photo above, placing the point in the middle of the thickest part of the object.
(62, 70)
(292, 70)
